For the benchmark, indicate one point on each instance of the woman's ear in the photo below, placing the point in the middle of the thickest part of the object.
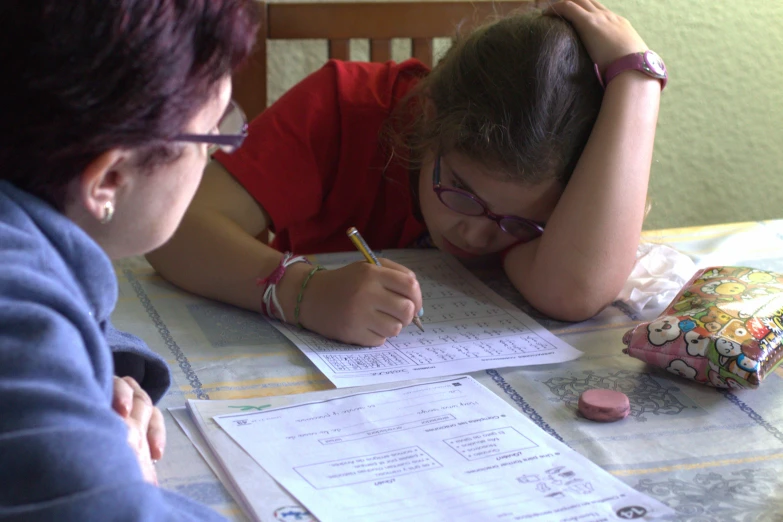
(101, 181)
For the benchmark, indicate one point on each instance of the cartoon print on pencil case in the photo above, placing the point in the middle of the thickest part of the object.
(681, 368)
(696, 344)
(757, 277)
(691, 304)
(761, 291)
(714, 319)
(767, 305)
(722, 289)
(746, 365)
(757, 328)
(663, 330)
(722, 271)
(735, 331)
(727, 350)
(677, 335)
(720, 378)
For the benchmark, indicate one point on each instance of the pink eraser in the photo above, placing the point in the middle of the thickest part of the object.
(604, 405)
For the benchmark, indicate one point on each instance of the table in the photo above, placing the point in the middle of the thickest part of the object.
(713, 455)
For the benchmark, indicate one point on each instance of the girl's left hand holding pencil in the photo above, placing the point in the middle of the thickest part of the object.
(361, 303)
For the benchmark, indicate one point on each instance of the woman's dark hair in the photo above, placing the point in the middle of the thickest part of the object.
(83, 77)
(518, 95)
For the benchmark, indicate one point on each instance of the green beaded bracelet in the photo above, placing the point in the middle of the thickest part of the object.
(312, 272)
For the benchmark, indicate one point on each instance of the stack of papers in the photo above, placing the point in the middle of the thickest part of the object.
(447, 450)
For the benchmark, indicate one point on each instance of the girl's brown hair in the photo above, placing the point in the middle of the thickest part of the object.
(518, 95)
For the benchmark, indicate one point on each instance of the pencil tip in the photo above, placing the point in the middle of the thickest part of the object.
(417, 322)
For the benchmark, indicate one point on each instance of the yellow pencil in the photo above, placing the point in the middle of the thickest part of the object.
(358, 241)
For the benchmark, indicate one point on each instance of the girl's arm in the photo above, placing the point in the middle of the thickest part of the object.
(215, 253)
(581, 262)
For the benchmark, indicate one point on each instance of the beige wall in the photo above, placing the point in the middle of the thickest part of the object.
(719, 151)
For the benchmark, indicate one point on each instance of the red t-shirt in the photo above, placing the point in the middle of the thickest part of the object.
(316, 163)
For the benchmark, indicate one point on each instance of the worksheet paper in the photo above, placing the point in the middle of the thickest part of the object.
(260, 497)
(438, 451)
(468, 328)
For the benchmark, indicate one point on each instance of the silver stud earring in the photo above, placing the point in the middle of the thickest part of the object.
(108, 212)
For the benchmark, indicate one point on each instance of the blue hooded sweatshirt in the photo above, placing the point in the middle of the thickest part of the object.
(63, 450)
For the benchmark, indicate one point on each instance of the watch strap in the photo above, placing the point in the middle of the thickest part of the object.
(635, 62)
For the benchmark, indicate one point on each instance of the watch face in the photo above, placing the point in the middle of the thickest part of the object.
(655, 63)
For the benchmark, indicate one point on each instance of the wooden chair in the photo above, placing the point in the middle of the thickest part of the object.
(378, 22)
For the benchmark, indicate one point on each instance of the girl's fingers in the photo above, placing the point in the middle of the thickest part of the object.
(388, 263)
(383, 326)
(587, 5)
(156, 435)
(122, 400)
(400, 309)
(599, 5)
(567, 10)
(405, 286)
(374, 341)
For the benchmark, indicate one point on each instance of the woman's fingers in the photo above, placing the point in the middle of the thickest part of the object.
(142, 408)
(122, 400)
(138, 422)
(156, 435)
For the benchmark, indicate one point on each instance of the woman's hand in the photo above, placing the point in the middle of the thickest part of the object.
(146, 427)
(606, 35)
(361, 303)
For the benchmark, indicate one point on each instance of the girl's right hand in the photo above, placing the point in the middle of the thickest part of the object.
(361, 303)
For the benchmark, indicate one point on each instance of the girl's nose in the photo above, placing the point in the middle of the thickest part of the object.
(479, 233)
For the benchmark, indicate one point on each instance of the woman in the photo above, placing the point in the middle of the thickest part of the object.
(107, 118)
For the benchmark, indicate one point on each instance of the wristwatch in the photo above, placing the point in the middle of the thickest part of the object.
(647, 62)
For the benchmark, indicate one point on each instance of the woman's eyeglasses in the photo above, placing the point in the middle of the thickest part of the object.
(470, 205)
(232, 130)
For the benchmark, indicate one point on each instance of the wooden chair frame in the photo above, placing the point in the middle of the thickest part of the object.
(378, 22)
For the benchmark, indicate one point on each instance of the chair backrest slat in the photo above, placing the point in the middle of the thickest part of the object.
(380, 49)
(421, 49)
(340, 49)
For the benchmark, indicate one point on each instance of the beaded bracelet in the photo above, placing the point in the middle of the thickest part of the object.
(312, 272)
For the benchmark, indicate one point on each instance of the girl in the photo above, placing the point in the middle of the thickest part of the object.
(103, 139)
(509, 146)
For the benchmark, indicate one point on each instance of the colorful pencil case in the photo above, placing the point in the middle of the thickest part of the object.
(723, 329)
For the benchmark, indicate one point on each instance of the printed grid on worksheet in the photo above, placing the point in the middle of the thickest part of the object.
(463, 320)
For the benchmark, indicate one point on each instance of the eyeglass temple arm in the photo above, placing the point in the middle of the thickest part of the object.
(217, 139)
